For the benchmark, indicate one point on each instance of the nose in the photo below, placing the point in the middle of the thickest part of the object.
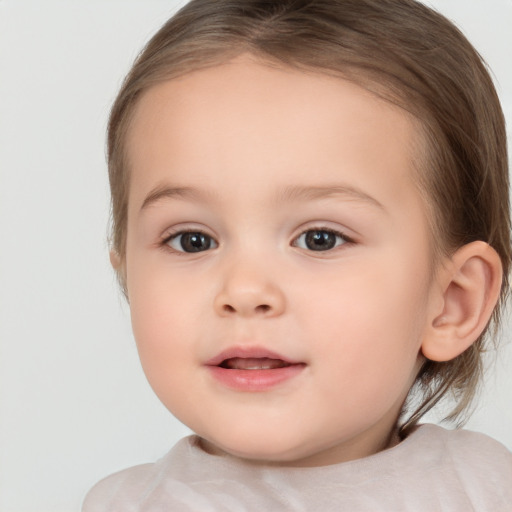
(249, 291)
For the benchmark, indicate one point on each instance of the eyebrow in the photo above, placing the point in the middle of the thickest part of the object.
(288, 194)
(294, 193)
(168, 192)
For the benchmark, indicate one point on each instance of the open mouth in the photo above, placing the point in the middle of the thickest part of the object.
(253, 363)
(253, 369)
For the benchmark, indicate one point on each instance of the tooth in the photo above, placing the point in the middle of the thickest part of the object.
(264, 363)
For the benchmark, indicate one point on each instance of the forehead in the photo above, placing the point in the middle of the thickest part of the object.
(271, 123)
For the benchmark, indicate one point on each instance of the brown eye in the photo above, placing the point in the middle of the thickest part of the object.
(191, 241)
(320, 240)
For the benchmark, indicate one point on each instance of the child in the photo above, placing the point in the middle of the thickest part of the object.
(311, 226)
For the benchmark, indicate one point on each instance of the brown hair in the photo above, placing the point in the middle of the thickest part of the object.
(400, 50)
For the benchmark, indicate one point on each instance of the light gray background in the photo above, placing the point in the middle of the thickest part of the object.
(74, 404)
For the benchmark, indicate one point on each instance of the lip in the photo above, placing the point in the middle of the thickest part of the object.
(248, 353)
(255, 380)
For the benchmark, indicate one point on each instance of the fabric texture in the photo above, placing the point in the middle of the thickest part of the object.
(433, 470)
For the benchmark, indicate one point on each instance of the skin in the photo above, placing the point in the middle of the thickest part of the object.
(254, 157)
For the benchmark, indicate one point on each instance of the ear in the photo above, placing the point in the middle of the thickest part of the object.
(115, 260)
(469, 288)
(118, 264)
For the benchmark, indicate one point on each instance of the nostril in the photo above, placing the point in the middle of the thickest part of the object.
(262, 308)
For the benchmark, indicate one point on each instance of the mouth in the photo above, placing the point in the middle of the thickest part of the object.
(250, 358)
(253, 369)
(253, 363)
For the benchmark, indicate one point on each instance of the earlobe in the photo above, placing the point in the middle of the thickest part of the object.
(470, 288)
(115, 260)
(119, 265)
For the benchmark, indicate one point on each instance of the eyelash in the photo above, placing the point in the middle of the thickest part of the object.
(342, 239)
(175, 236)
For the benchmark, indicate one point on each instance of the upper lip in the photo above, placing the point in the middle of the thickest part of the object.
(248, 353)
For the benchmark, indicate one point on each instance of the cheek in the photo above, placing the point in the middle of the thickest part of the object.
(161, 301)
(370, 325)
(163, 314)
(163, 344)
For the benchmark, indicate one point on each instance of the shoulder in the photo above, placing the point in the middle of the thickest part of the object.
(121, 491)
(478, 465)
(118, 489)
(472, 448)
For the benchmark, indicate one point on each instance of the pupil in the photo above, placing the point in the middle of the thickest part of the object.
(195, 242)
(320, 240)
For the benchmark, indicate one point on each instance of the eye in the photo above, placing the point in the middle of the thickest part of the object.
(191, 241)
(320, 240)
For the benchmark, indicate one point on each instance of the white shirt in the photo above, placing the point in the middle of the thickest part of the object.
(432, 470)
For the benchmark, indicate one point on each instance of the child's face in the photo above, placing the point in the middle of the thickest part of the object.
(274, 220)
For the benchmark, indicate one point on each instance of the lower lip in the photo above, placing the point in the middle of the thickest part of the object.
(255, 380)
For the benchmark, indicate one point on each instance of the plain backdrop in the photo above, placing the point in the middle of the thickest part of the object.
(74, 403)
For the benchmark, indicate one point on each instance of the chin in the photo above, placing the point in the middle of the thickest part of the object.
(258, 448)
